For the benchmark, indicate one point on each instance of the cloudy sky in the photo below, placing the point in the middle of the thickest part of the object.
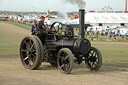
(58, 5)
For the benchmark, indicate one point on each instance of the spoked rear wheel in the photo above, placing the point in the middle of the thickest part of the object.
(65, 60)
(31, 52)
(94, 60)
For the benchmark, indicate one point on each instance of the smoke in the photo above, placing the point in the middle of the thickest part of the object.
(79, 3)
(64, 14)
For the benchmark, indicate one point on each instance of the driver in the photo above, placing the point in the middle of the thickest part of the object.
(41, 25)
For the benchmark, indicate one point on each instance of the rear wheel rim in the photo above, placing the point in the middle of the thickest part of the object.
(28, 52)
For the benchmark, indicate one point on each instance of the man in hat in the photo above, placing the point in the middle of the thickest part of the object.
(41, 25)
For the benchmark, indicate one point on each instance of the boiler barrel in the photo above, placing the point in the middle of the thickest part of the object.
(68, 43)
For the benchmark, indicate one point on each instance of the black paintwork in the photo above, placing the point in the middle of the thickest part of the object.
(54, 40)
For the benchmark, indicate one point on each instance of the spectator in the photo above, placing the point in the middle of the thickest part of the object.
(122, 35)
(119, 34)
(114, 36)
(109, 34)
(96, 33)
(34, 27)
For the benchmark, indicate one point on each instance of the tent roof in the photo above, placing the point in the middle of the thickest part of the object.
(106, 17)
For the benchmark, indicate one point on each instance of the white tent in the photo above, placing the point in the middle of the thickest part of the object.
(106, 19)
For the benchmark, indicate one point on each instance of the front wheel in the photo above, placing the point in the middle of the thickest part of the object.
(65, 60)
(93, 59)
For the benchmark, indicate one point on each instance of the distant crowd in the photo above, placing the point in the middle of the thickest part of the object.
(111, 35)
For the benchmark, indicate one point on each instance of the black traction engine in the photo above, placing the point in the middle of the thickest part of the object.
(60, 48)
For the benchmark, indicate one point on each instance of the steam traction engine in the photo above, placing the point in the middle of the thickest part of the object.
(59, 47)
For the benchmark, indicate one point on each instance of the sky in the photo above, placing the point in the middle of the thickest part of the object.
(58, 5)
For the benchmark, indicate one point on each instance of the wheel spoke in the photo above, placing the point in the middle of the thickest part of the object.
(26, 43)
(67, 66)
(94, 63)
(32, 46)
(66, 58)
(91, 64)
(62, 65)
(30, 62)
(30, 41)
(24, 50)
(33, 59)
(28, 47)
(33, 51)
(96, 58)
(93, 53)
(64, 54)
(26, 58)
(33, 55)
(90, 54)
(29, 44)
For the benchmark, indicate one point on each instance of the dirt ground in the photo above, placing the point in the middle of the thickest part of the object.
(13, 73)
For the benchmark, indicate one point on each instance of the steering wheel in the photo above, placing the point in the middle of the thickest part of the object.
(56, 26)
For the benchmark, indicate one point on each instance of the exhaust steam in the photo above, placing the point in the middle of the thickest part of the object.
(80, 3)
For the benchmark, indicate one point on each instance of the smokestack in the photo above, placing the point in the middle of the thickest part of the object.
(125, 6)
(81, 24)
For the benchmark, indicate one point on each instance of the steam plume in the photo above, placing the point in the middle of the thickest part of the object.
(79, 3)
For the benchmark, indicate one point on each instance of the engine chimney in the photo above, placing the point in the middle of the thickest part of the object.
(81, 24)
(82, 45)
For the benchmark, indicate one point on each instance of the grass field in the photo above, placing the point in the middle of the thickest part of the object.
(10, 39)
(115, 54)
(19, 24)
(9, 45)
